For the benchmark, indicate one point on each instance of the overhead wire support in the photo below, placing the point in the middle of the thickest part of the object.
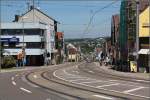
(92, 17)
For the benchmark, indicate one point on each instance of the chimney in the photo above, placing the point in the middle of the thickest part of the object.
(16, 18)
(31, 7)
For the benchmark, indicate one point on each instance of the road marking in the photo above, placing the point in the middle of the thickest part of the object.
(13, 82)
(76, 72)
(81, 79)
(25, 90)
(12, 78)
(112, 80)
(107, 85)
(59, 77)
(142, 81)
(104, 97)
(48, 99)
(92, 82)
(16, 75)
(35, 76)
(135, 89)
(91, 71)
(68, 73)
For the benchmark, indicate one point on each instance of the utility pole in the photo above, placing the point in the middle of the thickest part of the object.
(23, 39)
(23, 47)
(137, 31)
(0, 40)
(149, 39)
(0, 47)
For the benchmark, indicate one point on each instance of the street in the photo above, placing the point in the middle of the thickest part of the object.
(74, 49)
(14, 86)
(70, 81)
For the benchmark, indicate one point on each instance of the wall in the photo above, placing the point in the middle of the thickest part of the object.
(144, 19)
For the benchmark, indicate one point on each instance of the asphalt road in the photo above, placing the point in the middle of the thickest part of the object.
(92, 79)
(14, 86)
(75, 81)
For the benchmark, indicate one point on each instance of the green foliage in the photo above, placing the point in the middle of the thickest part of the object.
(8, 62)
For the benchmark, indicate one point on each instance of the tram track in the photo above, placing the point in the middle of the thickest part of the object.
(47, 76)
(102, 73)
(76, 86)
(52, 89)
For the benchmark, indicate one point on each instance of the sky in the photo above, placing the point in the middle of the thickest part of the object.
(74, 15)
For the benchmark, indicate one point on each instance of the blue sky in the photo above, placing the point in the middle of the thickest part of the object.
(73, 15)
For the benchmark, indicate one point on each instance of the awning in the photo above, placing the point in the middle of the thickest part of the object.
(144, 51)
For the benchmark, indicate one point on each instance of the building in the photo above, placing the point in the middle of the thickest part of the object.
(15, 36)
(28, 25)
(59, 43)
(144, 38)
(114, 37)
(123, 34)
(127, 36)
(35, 15)
(73, 55)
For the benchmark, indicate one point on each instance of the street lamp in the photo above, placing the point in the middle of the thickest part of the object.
(23, 47)
(137, 30)
(149, 39)
(0, 50)
(23, 28)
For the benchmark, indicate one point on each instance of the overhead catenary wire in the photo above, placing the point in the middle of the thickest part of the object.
(93, 15)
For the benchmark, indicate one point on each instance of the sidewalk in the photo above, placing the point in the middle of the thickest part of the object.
(140, 76)
(12, 69)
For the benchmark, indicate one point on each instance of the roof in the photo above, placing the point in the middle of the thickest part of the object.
(40, 12)
(143, 4)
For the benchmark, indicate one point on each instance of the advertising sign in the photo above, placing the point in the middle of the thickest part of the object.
(133, 66)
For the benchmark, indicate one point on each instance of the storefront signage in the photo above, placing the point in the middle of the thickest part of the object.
(10, 40)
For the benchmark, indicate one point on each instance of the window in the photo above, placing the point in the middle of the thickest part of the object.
(20, 32)
(35, 45)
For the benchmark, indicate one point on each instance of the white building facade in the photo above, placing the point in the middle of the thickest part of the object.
(35, 37)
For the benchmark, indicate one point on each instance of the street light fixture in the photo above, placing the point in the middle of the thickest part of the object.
(137, 30)
(23, 28)
(23, 47)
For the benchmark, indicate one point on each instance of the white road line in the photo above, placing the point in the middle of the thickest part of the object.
(92, 82)
(107, 85)
(76, 72)
(75, 77)
(48, 99)
(142, 81)
(135, 89)
(91, 71)
(16, 75)
(12, 78)
(113, 80)
(35, 76)
(104, 97)
(81, 79)
(97, 81)
(25, 90)
(68, 73)
(54, 74)
(76, 66)
(13, 82)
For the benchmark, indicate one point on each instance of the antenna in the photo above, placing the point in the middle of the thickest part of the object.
(33, 9)
(33, 3)
(28, 6)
